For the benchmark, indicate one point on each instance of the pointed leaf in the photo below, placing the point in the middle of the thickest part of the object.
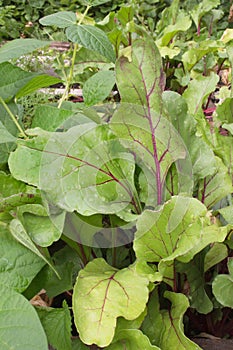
(87, 58)
(98, 87)
(57, 326)
(215, 187)
(202, 8)
(103, 293)
(91, 38)
(62, 19)
(20, 327)
(18, 265)
(37, 83)
(19, 233)
(92, 3)
(131, 339)
(20, 47)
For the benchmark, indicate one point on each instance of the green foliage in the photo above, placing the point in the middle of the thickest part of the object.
(118, 208)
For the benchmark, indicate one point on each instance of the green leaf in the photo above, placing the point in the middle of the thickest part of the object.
(20, 47)
(224, 111)
(198, 90)
(182, 24)
(103, 173)
(57, 326)
(98, 87)
(78, 345)
(67, 265)
(131, 339)
(222, 287)
(216, 186)
(20, 327)
(91, 38)
(37, 83)
(203, 8)
(50, 118)
(194, 272)
(62, 19)
(87, 58)
(6, 148)
(38, 224)
(14, 193)
(18, 265)
(140, 79)
(216, 253)
(103, 293)
(19, 233)
(228, 127)
(5, 135)
(227, 214)
(178, 230)
(92, 3)
(165, 327)
(13, 79)
(202, 156)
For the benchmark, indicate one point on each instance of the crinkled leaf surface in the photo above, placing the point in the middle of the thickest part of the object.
(57, 326)
(97, 88)
(138, 121)
(18, 265)
(165, 327)
(178, 230)
(92, 38)
(60, 19)
(103, 293)
(131, 339)
(84, 169)
(20, 327)
(19, 47)
(215, 187)
(222, 287)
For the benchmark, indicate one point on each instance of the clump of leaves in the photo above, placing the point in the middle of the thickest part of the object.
(121, 212)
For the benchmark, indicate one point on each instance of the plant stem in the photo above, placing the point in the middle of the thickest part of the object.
(12, 117)
(71, 73)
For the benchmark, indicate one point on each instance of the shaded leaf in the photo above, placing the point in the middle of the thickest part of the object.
(57, 326)
(103, 293)
(20, 327)
(216, 253)
(87, 58)
(91, 38)
(5, 135)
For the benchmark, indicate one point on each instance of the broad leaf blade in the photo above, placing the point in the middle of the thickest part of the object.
(57, 326)
(19, 265)
(101, 294)
(20, 327)
(98, 87)
(5, 135)
(222, 287)
(20, 47)
(62, 19)
(19, 233)
(91, 38)
(36, 83)
(131, 339)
